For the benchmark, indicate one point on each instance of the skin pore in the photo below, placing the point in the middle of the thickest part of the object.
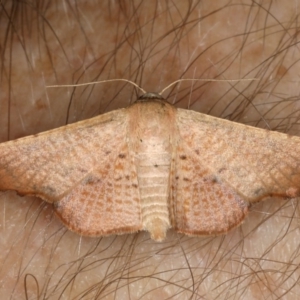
(153, 44)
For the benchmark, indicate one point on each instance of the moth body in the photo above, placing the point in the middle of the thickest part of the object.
(152, 147)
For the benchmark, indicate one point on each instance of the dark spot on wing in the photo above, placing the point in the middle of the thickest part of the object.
(214, 180)
(48, 190)
(122, 155)
(197, 151)
(183, 157)
(92, 180)
(222, 170)
(258, 192)
(82, 170)
(134, 185)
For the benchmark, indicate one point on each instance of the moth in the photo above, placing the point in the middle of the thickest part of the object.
(151, 167)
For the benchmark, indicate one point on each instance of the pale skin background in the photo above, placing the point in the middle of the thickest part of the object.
(153, 44)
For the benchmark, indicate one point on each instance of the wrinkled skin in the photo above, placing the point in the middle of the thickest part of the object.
(151, 44)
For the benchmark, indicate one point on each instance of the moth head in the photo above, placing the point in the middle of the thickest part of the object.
(150, 96)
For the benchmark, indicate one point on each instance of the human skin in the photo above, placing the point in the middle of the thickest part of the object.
(152, 44)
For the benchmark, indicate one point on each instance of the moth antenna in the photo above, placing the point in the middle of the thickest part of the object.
(194, 79)
(96, 82)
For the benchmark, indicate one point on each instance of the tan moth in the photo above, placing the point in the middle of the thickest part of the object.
(152, 167)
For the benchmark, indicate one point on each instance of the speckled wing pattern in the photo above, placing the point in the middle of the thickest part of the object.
(85, 169)
(107, 201)
(221, 167)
